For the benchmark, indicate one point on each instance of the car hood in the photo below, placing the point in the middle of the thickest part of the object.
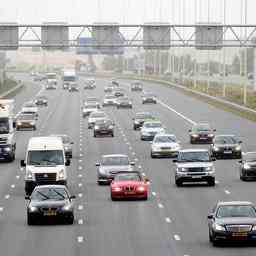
(236, 221)
(127, 183)
(115, 168)
(166, 144)
(194, 165)
(152, 129)
(45, 169)
(49, 203)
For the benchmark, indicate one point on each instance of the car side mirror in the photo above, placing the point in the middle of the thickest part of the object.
(240, 142)
(189, 130)
(97, 164)
(240, 161)
(72, 197)
(174, 160)
(67, 162)
(210, 216)
(132, 163)
(22, 163)
(27, 197)
(213, 159)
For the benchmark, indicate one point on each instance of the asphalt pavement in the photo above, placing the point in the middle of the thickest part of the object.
(172, 222)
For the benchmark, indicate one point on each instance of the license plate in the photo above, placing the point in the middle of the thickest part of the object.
(203, 138)
(196, 177)
(50, 213)
(241, 234)
(227, 152)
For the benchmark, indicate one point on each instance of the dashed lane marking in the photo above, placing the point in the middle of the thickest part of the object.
(177, 237)
(80, 222)
(153, 193)
(80, 195)
(7, 196)
(80, 207)
(80, 239)
(13, 186)
(80, 185)
(168, 220)
(160, 206)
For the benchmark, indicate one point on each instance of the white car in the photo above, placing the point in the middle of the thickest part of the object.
(88, 109)
(109, 100)
(165, 145)
(95, 116)
(30, 108)
(150, 129)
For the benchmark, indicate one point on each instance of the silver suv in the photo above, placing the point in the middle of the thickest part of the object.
(194, 165)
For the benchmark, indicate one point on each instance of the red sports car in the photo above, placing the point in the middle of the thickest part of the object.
(129, 185)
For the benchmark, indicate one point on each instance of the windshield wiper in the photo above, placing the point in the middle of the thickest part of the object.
(49, 161)
(63, 197)
(33, 162)
(45, 196)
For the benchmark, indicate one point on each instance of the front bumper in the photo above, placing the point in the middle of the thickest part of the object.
(201, 139)
(124, 195)
(229, 236)
(228, 154)
(199, 177)
(149, 101)
(59, 215)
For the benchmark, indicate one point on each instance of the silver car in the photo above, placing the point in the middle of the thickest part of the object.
(194, 165)
(150, 129)
(165, 145)
(112, 164)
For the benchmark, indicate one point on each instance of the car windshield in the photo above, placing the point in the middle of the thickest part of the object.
(110, 97)
(26, 117)
(202, 128)
(4, 125)
(250, 157)
(128, 177)
(225, 140)
(115, 160)
(103, 121)
(229, 211)
(98, 115)
(152, 125)
(165, 139)
(91, 106)
(45, 157)
(29, 105)
(200, 156)
(54, 194)
(92, 99)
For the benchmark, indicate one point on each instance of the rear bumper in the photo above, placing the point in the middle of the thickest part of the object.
(201, 140)
(221, 154)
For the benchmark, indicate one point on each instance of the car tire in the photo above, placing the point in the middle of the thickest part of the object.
(210, 237)
(134, 128)
(34, 128)
(242, 178)
(178, 183)
(99, 183)
(191, 141)
(94, 135)
(70, 220)
(30, 220)
(211, 182)
(112, 198)
(112, 135)
(152, 156)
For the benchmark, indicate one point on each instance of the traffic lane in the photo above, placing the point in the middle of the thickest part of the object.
(191, 208)
(196, 110)
(22, 235)
(115, 228)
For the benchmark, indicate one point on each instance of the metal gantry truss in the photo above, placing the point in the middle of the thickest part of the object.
(30, 35)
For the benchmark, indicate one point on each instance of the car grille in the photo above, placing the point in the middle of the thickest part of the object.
(228, 148)
(196, 169)
(239, 228)
(45, 177)
(129, 189)
(46, 209)
(166, 148)
(3, 140)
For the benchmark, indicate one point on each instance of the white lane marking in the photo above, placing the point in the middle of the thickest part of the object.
(160, 206)
(80, 185)
(7, 196)
(80, 239)
(80, 195)
(80, 160)
(153, 193)
(80, 175)
(80, 168)
(1, 209)
(130, 148)
(81, 155)
(177, 113)
(227, 192)
(80, 207)
(139, 166)
(22, 169)
(177, 237)
(217, 182)
(134, 153)
(136, 159)
(168, 220)
(17, 177)
(13, 186)
(143, 174)
(81, 149)
(80, 222)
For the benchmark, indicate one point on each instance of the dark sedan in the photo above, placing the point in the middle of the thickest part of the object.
(247, 166)
(201, 133)
(232, 221)
(41, 101)
(50, 202)
(226, 146)
(136, 86)
(103, 127)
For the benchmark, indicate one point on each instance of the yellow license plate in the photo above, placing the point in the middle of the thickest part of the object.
(241, 234)
(50, 213)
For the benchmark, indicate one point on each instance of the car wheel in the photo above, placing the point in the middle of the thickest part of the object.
(191, 141)
(99, 183)
(30, 220)
(242, 177)
(211, 182)
(210, 237)
(70, 220)
(94, 135)
(112, 135)
(113, 198)
(152, 156)
(178, 183)
(34, 128)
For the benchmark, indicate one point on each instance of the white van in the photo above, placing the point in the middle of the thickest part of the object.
(45, 163)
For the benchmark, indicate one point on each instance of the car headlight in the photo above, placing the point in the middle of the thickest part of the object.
(215, 148)
(247, 166)
(194, 135)
(155, 148)
(130, 103)
(32, 123)
(141, 189)
(238, 148)
(111, 127)
(29, 175)
(96, 127)
(19, 123)
(254, 228)
(208, 169)
(8, 149)
(117, 189)
(32, 208)
(67, 207)
(136, 122)
(211, 135)
(61, 175)
(182, 169)
(66, 148)
(218, 227)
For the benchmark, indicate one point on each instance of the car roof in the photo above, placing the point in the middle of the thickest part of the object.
(194, 150)
(234, 203)
(47, 143)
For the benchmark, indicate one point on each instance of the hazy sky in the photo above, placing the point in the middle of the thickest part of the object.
(122, 11)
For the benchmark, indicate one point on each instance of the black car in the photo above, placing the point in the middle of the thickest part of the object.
(201, 133)
(247, 166)
(148, 98)
(124, 102)
(103, 127)
(73, 88)
(140, 118)
(136, 86)
(226, 146)
(50, 202)
(41, 101)
(119, 92)
(232, 221)
(26, 121)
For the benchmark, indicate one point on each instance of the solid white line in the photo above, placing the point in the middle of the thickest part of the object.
(177, 237)
(227, 192)
(168, 220)
(80, 239)
(176, 112)
(160, 206)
